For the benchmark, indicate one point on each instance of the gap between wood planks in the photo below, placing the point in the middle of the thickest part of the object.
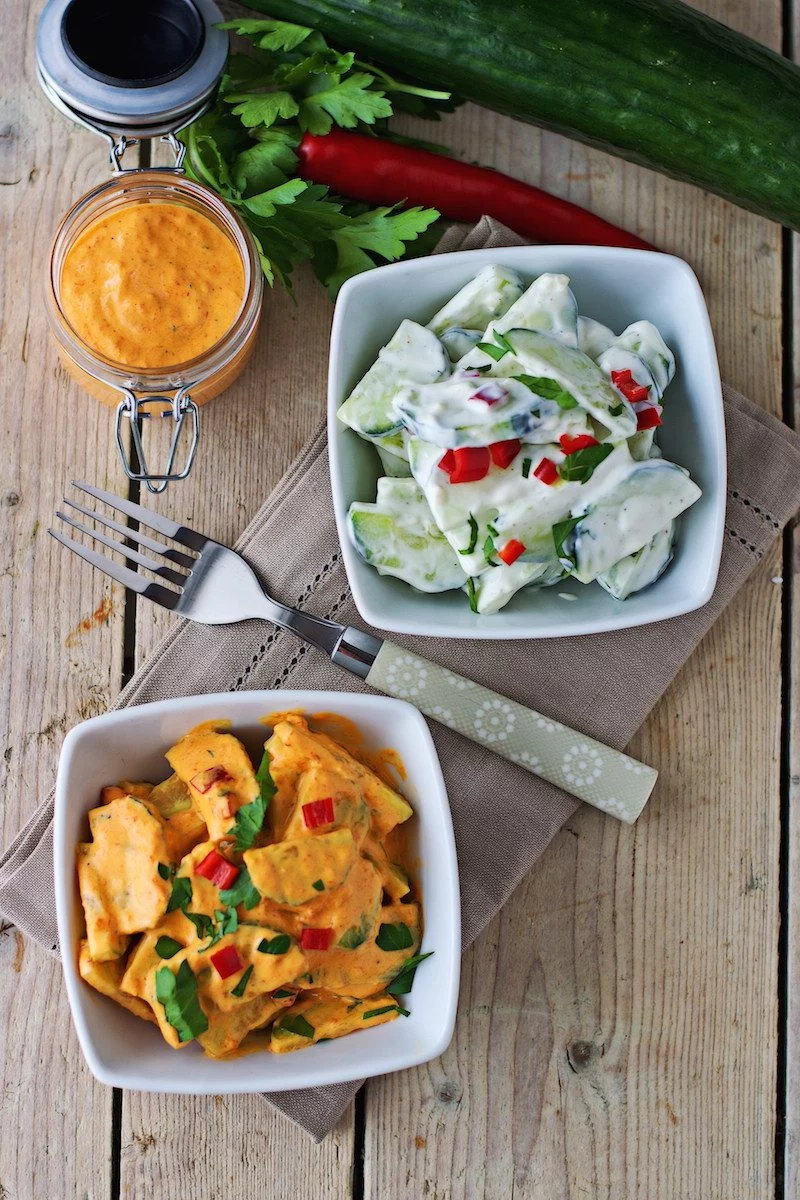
(787, 613)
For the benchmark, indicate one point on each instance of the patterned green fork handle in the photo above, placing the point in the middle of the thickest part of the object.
(605, 778)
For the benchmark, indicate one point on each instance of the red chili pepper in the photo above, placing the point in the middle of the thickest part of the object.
(318, 812)
(547, 471)
(630, 389)
(381, 172)
(580, 442)
(511, 551)
(447, 462)
(226, 961)
(316, 939)
(472, 463)
(205, 780)
(217, 869)
(648, 418)
(504, 453)
(491, 393)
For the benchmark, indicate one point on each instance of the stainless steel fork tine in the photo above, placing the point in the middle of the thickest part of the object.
(141, 539)
(170, 529)
(130, 579)
(132, 555)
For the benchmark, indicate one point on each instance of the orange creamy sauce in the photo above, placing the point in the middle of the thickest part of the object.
(152, 284)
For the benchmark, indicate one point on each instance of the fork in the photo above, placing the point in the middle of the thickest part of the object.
(216, 586)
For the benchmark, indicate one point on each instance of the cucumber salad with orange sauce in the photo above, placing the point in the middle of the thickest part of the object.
(517, 441)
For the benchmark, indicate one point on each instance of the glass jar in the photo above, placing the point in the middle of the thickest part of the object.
(133, 71)
(137, 391)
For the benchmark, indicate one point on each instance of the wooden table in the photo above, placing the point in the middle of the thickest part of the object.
(627, 1024)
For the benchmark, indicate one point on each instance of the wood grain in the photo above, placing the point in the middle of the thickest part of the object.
(617, 1033)
(617, 1029)
(55, 1120)
(791, 1163)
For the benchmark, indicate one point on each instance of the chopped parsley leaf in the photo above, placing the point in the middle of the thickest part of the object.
(277, 945)
(167, 947)
(243, 982)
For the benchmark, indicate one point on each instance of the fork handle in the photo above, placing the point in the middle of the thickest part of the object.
(603, 777)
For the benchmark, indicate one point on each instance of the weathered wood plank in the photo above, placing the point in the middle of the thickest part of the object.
(617, 1034)
(56, 1121)
(791, 1164)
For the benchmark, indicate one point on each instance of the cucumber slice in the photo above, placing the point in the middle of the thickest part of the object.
(414, 355)
(547, 306)
(639, 570)
(397, 536)
(393, 453)
(447, 414)
(642, 445)
(643, 338)
(615, 358)
(539, 355)
(491, 293)
(626, 516)
(458, 342)
(495, 587)
(594, 338)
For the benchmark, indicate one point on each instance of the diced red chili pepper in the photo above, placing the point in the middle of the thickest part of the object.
(318, 812)
(637, 392)
(226, 961)
(648, 418)
(511, 551)
(491, 393)
(217, 869)
(205, 780)
(581, 441)
(504, 453)
(472, 464)
(447, 462)
(316, 939)
(630, 389)
(547, 471)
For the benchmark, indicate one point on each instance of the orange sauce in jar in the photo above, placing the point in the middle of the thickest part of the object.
(152, 284)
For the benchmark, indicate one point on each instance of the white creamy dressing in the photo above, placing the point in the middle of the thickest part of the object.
(452, 414)
(594, 338)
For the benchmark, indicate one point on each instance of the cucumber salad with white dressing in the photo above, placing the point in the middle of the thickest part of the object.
(518, 444)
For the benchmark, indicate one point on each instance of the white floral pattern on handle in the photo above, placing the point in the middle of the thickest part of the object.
(605, 778)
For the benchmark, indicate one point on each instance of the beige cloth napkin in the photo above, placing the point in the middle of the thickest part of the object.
(606, 690)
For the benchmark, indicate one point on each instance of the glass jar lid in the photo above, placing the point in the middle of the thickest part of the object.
(132, 67)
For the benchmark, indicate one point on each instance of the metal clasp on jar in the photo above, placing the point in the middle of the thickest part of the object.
(135, 409)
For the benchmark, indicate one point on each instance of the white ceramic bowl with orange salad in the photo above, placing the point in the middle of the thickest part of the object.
(125, 1051)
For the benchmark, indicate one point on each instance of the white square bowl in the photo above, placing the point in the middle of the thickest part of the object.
(123, 1050)
(614, 286)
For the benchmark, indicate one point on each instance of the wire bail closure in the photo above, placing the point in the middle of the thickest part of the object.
(134, 408)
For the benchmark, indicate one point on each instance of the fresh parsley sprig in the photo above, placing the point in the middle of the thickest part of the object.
(292, 82)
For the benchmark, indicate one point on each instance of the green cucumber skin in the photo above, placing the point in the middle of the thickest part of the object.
(651, 80)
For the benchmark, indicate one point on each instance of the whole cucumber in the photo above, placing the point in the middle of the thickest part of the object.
(651, 80)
